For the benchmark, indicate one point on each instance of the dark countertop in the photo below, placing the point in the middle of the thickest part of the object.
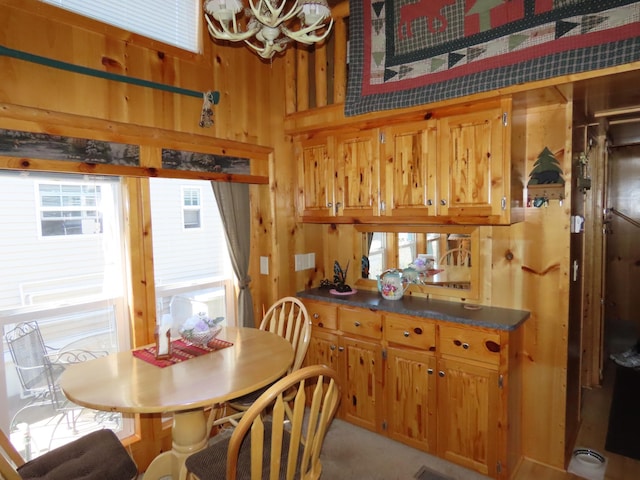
(490, 317)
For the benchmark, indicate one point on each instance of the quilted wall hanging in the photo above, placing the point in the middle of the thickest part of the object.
(404, 53)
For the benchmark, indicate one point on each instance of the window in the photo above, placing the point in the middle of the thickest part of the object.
(192, 269)
(76, 290)
(69, 209)
(191, 207)
(175, 22)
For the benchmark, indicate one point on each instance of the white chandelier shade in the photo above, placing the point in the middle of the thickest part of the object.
(268, 26)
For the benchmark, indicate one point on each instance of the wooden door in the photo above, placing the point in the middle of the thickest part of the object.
(468, 415)
(409, 170)
(315, 178)
(473, 168)
(362, 382)
(357, 178)
(411, 398)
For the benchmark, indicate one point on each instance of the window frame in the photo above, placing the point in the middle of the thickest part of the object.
(191, 208)
(83, 208)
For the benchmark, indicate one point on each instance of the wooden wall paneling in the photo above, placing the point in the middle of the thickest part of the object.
(340, 60)
(290, 81)
(592, 336)
(320, 69)
(545, 271)
(576, 295)
(302, 80)
(623, 248)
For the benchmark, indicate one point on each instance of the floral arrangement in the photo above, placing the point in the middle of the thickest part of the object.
(200, 328)
(421, 264)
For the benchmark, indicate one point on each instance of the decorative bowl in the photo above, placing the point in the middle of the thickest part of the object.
(200, 337)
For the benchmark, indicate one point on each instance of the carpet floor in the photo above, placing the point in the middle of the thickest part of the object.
(351, 452)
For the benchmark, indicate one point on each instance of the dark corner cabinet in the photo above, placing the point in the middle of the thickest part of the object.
(442, 377)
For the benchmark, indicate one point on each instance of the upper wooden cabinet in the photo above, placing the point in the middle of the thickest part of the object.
(338, 176)
(409, 170)
(475, 165)
(457, 168)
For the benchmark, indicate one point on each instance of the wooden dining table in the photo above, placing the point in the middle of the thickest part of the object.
(121, 382)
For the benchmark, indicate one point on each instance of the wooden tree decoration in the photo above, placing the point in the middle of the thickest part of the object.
(546, 170)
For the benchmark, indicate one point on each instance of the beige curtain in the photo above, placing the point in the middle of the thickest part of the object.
(233, 203)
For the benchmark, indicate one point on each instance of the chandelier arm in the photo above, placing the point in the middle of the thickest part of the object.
(275, 19)
(306, 35)
(268, 50)
(229, 34)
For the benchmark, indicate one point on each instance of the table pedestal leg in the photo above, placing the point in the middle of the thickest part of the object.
(190, 435)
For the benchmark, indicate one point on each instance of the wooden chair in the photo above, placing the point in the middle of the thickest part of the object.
(96, 456)
(288, 318)
(269, 447)
(456, 256)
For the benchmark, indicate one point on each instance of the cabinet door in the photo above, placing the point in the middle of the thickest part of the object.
(468, 415)
(472, 161)
(408, 171)
(315, 178)
(357, 178)
(411, 398)
(323, 350)
(361, 383)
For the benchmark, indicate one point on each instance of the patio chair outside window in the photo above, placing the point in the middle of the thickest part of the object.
(39, 367)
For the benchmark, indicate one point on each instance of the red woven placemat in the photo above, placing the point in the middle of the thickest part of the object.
(180, 351)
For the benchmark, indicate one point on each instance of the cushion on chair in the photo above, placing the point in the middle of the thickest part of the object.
(96, 456)
(211, 463)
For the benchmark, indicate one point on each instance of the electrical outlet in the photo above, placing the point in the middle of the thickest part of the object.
(299, 261)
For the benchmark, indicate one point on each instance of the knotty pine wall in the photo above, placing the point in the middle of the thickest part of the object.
(251, 110)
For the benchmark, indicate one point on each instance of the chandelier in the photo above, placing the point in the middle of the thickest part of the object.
(267, 26)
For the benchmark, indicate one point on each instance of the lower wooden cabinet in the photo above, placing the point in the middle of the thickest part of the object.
(468, 415)
(440, 387)
(411, 398)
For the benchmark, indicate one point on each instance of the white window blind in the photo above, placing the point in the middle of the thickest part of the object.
(170, 21)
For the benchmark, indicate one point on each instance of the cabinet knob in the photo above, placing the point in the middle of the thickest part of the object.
(332, 347)
(316, 316)
(429, 202)
(465, 346)
(357, 324)
(329, 204)
(429, 371)
(405, 333)
(441, 373)
(341, 349)
(443, 202)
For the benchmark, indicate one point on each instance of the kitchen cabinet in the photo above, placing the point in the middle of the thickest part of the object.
(472, 408)
(409, 170)
(456, 167)
(348, 340)
(445, 384)
(338, 176)
(475, 178)
(411, 381)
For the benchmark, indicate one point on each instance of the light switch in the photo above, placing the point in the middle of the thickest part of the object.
(264, 265)
(299, 260)
(311, 260)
